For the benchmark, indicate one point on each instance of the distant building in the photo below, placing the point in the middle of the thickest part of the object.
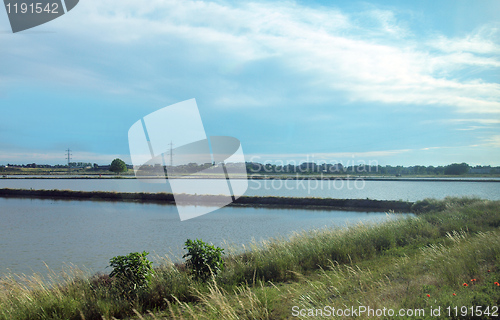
(480, 170)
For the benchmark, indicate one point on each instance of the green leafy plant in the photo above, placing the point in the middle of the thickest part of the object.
(203, 259)
(133, 272)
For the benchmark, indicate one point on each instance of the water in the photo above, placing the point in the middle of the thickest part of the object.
(340, 189)
(89, 233)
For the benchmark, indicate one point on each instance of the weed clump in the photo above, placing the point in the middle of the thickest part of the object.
(203, 260)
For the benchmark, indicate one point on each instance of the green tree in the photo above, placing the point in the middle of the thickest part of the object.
(456, 169)
(118, 166)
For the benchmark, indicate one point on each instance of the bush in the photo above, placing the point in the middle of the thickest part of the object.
(203, 259)
(117, 166)
(133, 272)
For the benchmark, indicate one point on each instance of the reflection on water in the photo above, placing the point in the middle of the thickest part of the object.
(89, 233)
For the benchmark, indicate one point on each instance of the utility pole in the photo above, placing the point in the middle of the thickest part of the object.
(68, 156)
(171, 154)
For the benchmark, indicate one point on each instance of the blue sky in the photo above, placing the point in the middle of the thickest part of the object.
(396, 82)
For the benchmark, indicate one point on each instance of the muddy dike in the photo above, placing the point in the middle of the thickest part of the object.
(246, 201)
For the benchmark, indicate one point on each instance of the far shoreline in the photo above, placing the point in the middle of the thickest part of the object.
(365, 205)
(260, 177)
(297, 176)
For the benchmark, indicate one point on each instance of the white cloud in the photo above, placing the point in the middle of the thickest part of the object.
(378, 22)
(493, 141)
(459, 121)
(474, 154)
(328, 51)
(483, 121)
(481, 41)
(325, 156)
(471, 128)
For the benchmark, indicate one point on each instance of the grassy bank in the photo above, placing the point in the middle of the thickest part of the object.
(413, 263)
(289, 177)
(19, 171)
(168, 198)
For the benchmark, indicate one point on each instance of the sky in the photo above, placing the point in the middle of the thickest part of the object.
(391, 82)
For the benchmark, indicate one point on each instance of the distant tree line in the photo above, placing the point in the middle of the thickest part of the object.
(189, 168)
(33, 165)
(313, 168)
(72, 165)
(80, 165)
(118, 166)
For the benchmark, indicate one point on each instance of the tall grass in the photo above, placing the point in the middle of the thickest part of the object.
(429, 204)
(78, 296)
(392, 264)
(217, 303)
(437, 271)
(280, 260)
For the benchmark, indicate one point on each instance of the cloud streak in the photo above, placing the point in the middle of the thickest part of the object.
(368, 57)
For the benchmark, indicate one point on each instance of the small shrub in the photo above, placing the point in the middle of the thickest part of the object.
(428, 205)
(133, 272)
(203, 259)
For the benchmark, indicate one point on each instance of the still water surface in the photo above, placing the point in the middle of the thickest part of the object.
(89, 233)
(340, 189)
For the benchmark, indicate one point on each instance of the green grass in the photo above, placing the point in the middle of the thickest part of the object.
(396, 264)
